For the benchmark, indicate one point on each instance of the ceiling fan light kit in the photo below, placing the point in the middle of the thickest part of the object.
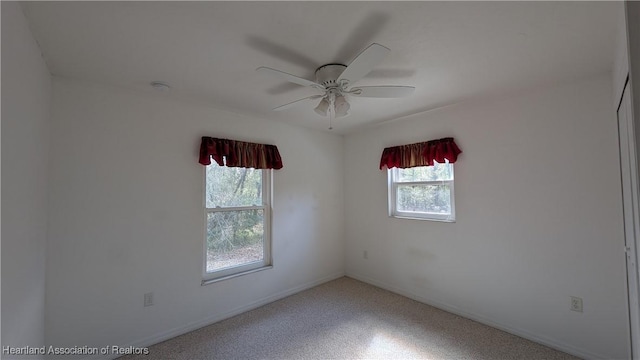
(341, 106)
(335, 81)
(322, 108)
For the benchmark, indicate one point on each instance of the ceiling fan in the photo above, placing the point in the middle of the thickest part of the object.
(335, 81)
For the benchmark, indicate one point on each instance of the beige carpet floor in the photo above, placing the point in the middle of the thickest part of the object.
(348, 319)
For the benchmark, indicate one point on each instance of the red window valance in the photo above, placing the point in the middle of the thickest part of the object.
(420, 154)
(239, 154)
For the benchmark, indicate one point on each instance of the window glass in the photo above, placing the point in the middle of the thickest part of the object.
(229, 187)
(426, 173)
(234, 238)
(424, 192)
(424, 198)
(237, 220)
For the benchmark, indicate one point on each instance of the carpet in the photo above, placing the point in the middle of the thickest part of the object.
(348, 319)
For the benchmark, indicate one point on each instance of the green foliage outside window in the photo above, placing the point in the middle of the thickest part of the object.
(427, 198)
(235, 235)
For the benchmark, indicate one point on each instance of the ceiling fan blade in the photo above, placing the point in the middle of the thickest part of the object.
(382, 91)
(297, 102)
(364, 63)
(281, 52)
(291, 78)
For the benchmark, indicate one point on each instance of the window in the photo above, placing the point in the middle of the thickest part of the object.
(423, 192)
(237, 204)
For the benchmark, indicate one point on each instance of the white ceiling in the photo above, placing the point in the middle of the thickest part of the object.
(208, 51)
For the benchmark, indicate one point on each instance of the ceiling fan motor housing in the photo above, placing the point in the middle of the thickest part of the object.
(326, 75)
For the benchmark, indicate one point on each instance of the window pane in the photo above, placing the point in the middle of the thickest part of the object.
(426, 173)
(234, 238)
(424, 198)
(228, 186)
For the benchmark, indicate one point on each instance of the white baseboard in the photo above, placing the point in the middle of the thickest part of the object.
(195, 325)
(540, 339)
(166, 335)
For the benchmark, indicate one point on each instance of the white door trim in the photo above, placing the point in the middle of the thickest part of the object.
(630, 192)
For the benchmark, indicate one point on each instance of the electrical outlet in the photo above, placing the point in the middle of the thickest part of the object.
(576, 304)
(365, 254)
(148, 299)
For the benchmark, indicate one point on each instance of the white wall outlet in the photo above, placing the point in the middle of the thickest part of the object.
(365, 254)
(148, 299)
(576, 304)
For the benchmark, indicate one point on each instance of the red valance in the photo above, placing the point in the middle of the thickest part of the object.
(239, 154)
(420, 154)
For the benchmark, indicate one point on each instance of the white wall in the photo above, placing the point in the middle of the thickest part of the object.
(127, 218)
(26, 93)
(539, 217)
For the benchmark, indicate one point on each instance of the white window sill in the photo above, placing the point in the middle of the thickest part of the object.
(215, 280)
(422, 218)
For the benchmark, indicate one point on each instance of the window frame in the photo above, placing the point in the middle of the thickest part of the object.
(247, 268)
(393, 185)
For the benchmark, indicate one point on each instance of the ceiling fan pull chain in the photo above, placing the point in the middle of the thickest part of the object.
(331, 116)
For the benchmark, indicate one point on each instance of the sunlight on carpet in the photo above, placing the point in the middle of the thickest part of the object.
(386, 346)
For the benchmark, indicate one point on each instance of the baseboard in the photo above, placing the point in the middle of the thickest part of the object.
(181, 330)
(540, 339)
